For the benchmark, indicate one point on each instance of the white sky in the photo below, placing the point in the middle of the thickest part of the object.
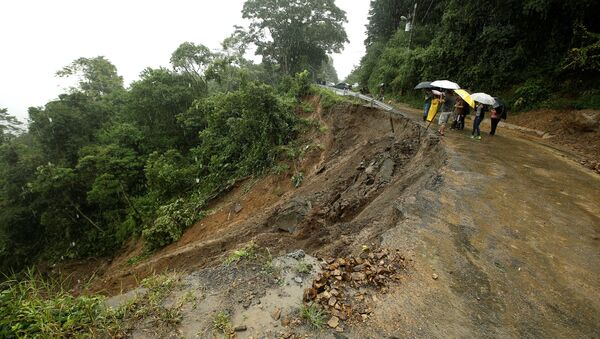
(39, 37)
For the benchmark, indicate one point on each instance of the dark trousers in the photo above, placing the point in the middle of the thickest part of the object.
(476, 123)
(495, 123)
(460, 122)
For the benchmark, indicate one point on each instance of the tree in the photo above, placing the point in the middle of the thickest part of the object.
(192, 59)
(97, 76)
(154, 102)
(9, 126)
(327, 71)
(296, 34)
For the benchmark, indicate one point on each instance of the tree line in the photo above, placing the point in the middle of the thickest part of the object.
(104, 162)
(524, 48)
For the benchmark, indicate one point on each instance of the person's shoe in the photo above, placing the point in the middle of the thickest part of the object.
(472, 137)
(479, 137)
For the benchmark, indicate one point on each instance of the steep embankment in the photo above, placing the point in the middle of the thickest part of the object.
(355, 165)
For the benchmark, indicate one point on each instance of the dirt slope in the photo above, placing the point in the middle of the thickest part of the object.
(352, 172)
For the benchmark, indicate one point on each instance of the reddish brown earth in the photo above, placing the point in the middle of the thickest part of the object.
(351, 171)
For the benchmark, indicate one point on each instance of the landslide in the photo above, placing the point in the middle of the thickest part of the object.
(357, 166)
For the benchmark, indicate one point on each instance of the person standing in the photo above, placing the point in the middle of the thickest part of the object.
(495, 118)
(447, 109)
(459, 109)
(479, 115)
(496, 114)
(428, 98)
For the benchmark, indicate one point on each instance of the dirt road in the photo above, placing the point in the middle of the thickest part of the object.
(513, 237)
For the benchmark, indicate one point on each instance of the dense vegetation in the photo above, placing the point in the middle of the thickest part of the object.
(526, 49)
(103, 163)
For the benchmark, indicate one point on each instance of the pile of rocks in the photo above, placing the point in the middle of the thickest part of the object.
(347, 287)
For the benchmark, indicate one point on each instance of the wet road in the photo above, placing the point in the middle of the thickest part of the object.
(511, 232)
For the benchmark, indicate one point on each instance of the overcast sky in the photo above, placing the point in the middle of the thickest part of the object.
(39, 37)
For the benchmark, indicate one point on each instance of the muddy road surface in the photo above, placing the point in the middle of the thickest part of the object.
(512, 238)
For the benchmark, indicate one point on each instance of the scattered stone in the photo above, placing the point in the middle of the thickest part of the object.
(237, 208)
(358, 276)
(297, 254)
(333, 322)
(276, 314)
(298, 280)
(240, 328)
(346, 287)
(434, 276)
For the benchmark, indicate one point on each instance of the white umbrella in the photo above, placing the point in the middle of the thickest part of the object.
(483, 98)
(445, 84)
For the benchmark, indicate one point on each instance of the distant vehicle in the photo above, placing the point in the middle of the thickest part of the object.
(331, 84)
(343, 85)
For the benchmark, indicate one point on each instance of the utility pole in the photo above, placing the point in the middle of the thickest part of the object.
(412, 25)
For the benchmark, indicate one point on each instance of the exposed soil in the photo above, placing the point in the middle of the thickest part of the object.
(577, 131)
(351, 173)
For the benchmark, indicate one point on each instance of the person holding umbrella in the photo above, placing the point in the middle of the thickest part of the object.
(428, 98)
(426, 87)
(482, 99)
(462, 108)
(498, 112)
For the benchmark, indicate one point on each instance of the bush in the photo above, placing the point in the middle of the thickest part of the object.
(172, 219)
(529, 94)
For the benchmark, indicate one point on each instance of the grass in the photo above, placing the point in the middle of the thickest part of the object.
(314, 315)
(222, 323)
(297, 179)
(303, 267)
(136, 259)
(151, 305)
(247, 252)
(34, 307)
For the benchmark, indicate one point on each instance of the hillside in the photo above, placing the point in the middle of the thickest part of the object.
(404, 197)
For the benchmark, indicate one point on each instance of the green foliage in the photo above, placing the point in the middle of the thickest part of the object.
(222, 323)
(247, 252)
(586, 58)
(303, 267)
(171, 220)
(243, 130)
(328, 99)
(103, 163)
(192, 59)
(9, 126)
(297, 35)
(151, 305)
(32, 308)
(97, 76)
(297, 179)
(529, 94)
(314, 315)
(484, 46)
